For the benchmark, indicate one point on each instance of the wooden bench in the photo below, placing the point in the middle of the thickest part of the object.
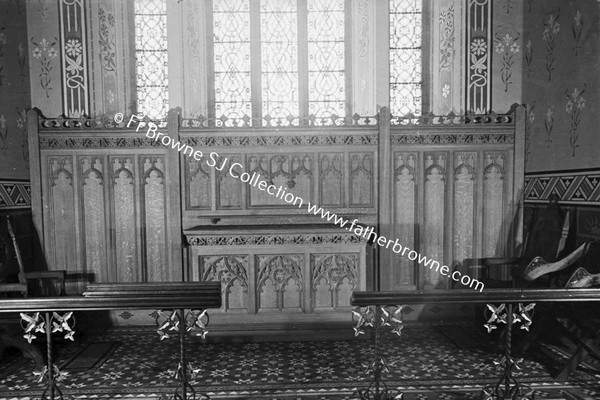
(39, 314)
(384, 309)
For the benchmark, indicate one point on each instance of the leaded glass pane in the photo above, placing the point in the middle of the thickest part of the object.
(405, 57)
(326, 58)
(231, 30)
(279, 55)
(150, 19)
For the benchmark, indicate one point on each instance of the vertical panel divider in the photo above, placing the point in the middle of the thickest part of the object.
(111, 264)
(78, 217)
(478, 245)
(308, 292)
(449, 217)
(420, 217)
(140, 214)
(518, 184)
(172, 209)
(385, 267)
(36, 176)
(252, 287)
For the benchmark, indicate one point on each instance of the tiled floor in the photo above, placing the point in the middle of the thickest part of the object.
(424, 363)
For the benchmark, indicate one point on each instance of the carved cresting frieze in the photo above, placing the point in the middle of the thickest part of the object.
(334, 277)
(275, 239)
(280, 282)
(232, 272)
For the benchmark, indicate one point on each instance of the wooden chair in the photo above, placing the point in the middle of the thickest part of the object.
(11, 336)
(26, 279)
(547, 262)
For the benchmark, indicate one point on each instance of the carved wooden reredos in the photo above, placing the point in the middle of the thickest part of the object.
(111, 205)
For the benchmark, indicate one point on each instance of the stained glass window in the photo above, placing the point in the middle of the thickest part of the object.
(231, 31)
(291, 51)
(150, 19)
(279, 58)
(405, 57)
(326, 58)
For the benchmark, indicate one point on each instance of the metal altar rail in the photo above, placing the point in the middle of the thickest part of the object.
(376, 310)
(171, 300)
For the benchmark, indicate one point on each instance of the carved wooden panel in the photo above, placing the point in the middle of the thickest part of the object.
(62, 214)
(361, 179)
(93, 174)
(405, 179)
(331, 179)
(280, 282)
(124, 221)
(232, 272)
(229, 189)
(434, 210)
(464, 205)
(154, 205)
(293, 172)
(334, 277)
(493, 200)
(197, 179)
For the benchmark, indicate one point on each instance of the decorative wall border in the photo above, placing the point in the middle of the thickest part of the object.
(272, 239)
(572, 187)
(73, 44)
(478, 54)
(14, 195)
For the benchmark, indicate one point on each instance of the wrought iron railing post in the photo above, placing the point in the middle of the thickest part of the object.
(376, 317)
(177, 320)
(377, 366)
(507, 387)
(48, 324)
(50, 364)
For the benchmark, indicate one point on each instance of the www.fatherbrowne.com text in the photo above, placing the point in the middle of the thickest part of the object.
(236, 170)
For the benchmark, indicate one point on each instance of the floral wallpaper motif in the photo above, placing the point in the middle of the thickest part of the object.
(574, 106)
(528, 56)
(2, 43)
(15, 91)
(577, 28)
(447, 50)
(45, 53)
(506, 46)
(3, 134)
(529, 129)
(106, 40)
(552, 27)
(560, 45)
(22, 126)
(548, 125)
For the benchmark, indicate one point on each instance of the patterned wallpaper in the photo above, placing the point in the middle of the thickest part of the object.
(561, 84)
(14, 90)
